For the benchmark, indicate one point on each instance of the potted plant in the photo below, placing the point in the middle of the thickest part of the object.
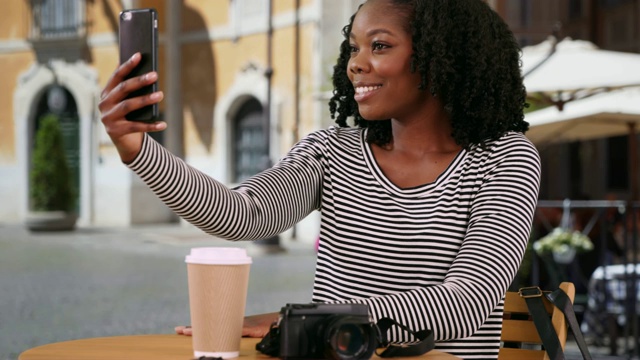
(51, 193)
(563, 244)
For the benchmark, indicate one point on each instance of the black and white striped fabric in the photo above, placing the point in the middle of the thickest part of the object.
(438, 256)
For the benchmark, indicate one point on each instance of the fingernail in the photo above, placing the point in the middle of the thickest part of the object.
(156, 95)
(161, 126)
(151, 76)
(135, 56)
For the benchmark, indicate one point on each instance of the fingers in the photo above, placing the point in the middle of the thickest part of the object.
(254, 332)
(112, 111)
(184, 330)
(119, 75)
(117, 130)
(113, 106)
(258, 325)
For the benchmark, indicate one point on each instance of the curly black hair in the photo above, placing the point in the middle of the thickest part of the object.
(466, 55)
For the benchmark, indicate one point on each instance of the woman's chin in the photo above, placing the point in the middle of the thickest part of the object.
(372, 117)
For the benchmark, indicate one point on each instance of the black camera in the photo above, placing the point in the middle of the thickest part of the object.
(322, 331)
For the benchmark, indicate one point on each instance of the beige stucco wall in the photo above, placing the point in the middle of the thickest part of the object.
(214, 60)
(12, 65)
(13, 31)
(15, 13)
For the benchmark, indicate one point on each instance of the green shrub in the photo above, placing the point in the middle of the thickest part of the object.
(50, 177)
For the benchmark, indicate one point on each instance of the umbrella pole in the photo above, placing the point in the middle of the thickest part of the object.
(633, 238)
(631, 327)
(633, 158)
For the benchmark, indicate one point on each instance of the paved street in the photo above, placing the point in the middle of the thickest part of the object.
(117, 281)
(101, 282)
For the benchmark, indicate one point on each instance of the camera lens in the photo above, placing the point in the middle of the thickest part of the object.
(349, 338)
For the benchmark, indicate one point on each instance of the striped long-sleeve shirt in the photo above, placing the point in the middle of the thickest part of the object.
(438, 256)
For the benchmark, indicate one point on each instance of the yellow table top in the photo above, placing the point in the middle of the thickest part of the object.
(151, 347)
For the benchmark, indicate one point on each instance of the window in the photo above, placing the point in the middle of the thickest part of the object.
(57, 19)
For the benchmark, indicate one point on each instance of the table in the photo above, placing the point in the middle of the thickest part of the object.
(151, 347)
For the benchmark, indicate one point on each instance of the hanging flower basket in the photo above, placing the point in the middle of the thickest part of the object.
(565, 255)
(563, 245)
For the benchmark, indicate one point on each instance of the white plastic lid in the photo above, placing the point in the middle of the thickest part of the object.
(218, 256)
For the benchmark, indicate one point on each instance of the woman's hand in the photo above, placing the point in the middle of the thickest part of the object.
(256, 326)
(183, 330)
(127, 135)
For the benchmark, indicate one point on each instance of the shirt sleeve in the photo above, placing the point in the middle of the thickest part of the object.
(260, 207)
(491, 252)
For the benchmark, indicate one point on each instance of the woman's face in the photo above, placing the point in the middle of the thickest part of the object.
(379, 67)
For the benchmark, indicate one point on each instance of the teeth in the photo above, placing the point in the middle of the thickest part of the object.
(365, 89)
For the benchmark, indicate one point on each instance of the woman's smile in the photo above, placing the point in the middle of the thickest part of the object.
(364, 92)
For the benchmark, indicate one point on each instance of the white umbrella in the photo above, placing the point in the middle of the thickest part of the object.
(604, 115)
(609, 114)
(574, 69)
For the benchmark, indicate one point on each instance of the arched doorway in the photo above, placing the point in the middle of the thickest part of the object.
(57, 100)
(250, 141)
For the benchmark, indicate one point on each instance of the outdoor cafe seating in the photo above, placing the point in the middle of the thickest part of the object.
(607, 297)
(609, 308)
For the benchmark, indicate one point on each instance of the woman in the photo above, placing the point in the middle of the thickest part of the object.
(426, 202)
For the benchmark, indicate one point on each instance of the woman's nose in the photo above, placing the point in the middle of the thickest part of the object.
(358, 64)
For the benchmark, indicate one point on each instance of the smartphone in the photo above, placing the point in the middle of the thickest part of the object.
(138, 32)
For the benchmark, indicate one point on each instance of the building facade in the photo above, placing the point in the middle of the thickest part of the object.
(243, 81)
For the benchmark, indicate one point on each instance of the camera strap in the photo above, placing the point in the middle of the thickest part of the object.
(424, 344)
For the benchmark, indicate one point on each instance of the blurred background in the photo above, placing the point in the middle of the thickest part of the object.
(246, 79)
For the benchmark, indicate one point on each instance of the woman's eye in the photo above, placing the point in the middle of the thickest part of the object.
(378, 46)
(353, 49)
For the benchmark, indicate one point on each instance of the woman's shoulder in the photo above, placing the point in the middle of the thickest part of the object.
(343, 136)
(319, 143)
(511, 147)
(338, 132)
(507, 142)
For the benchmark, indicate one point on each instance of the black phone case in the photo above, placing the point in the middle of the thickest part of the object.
(139, 33)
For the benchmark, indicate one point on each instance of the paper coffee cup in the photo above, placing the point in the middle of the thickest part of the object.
(218, 279)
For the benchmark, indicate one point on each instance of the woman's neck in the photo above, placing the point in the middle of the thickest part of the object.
(429, 131)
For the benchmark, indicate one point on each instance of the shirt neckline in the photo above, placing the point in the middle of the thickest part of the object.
(379, 175)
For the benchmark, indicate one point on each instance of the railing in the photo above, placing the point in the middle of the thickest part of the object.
(613, 227)
(57, 19)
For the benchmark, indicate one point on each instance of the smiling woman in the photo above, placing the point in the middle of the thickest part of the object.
(462, 52)
(427, 202)
(379, 66)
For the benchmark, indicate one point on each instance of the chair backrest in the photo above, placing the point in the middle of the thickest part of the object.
(519, 335)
